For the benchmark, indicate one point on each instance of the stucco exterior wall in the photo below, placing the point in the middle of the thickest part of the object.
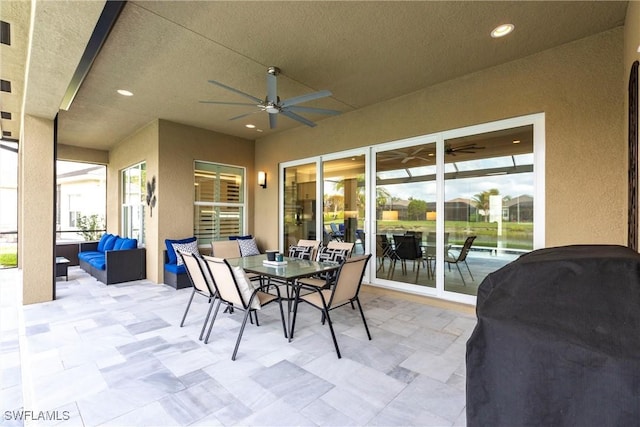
(631, 54)
(36, 224)
(179, 147)
(577, 85)
(139, 147)
(80, 154)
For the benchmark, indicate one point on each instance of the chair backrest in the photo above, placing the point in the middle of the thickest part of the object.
(196, 274)
(334, 227)
(466, 248)
(341, 245)
(225, 249)
(315, 244)
(431, 242)
(301, 252)
(224, 281)
(417, 234)
(407, 247)
(349, 280)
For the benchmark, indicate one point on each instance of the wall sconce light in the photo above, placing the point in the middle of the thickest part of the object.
(262, 179)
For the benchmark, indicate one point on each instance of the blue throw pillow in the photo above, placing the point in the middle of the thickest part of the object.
(110, 243)
(129, 244)
(118, 244)
(171, 253)
(102, 241)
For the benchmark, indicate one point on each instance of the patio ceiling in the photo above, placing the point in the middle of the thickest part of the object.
(164, 52)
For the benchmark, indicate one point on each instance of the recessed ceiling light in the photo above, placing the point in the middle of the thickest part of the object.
(258, 130)
(639, 48)
(502, 30)
(125, 92)
(250, 126)
(516, 141)
(431, 154)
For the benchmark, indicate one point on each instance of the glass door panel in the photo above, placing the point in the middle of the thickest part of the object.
(406, 214)
(488, 202)
(299, 204)
(344, 198)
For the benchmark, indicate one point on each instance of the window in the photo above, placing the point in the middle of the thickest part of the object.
(133, 201)
(219, 202)
(80, 201)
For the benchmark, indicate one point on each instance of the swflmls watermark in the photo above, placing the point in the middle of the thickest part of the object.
(24, 415)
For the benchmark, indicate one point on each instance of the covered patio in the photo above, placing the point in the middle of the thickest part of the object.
(115, 355)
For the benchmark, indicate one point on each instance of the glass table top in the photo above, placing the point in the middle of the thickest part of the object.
(293, 269)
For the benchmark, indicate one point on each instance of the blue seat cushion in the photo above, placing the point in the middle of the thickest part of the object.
(87, 255)
(171, 253)
(247, 237)
(102, 241)
(175, 268)
(98, 262)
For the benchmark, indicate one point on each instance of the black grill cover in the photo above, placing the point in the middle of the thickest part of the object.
(558, 340)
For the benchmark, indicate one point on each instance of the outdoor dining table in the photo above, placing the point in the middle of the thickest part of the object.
(288, 273)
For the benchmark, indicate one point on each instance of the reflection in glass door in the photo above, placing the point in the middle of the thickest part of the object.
(344, 199)
(488, 203)
(299, 204)
(406, 211)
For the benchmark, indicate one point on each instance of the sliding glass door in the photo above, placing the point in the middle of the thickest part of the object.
(406, 212)
(437, 212)
(489, 204)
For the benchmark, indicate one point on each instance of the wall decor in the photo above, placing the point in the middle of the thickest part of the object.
(633, 158)
(151, 195)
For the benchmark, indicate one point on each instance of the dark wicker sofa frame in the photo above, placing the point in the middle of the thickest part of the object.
(121, 265)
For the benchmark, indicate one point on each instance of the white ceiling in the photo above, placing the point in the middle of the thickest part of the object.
(363, 52)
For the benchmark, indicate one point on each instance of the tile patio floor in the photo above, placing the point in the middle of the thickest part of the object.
(116, 356)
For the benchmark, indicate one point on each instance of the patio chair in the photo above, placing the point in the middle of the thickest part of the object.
(345, 291)
(235, 289)
(328, 254)
(348, 246)
(230, 249)
(462, 257)
(315, 244)
(407, 248)
(335, 232)
(202, 284)
(383, 250)
(225, 249)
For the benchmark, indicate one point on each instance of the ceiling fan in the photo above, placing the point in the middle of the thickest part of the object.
(466, 149)
(273, 105)
(406, 157)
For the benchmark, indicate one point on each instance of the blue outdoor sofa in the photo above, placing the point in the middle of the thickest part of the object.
(113, 259)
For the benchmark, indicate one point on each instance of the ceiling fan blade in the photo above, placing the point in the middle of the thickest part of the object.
(304, 98)
(301, 119)
(239, 92)
(273, 120)
(313, 110)
(227, 103)
(244, 115)
(272, 88)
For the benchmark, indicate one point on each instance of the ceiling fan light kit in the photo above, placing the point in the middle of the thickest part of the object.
(272, 103)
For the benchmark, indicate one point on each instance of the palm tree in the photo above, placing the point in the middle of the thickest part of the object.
(481, 202)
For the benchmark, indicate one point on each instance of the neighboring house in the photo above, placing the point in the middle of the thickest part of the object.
(79, 193)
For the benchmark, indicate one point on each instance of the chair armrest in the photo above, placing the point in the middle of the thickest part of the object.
(126, 265)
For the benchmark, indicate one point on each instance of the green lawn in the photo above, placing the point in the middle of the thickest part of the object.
(514, 235)
(8, 257)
